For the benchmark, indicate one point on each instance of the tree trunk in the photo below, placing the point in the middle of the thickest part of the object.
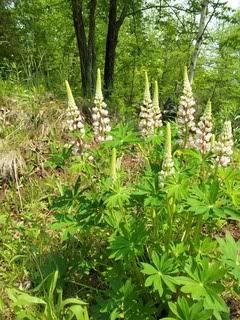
(114, 26)
(92, 46)
(199, 39)
(86, 47)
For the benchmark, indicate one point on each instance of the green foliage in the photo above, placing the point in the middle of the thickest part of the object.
(129, 242)
(230, 254)
(58, 159)
(183, 311)
(54, 307)
(124, 245)
(161, 274)
(130, 246)
(202, 283)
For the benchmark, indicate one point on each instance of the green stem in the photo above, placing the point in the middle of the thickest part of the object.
(188, 228)
(140, 279)
(170, 210)
(185, 137)
(137, 273)
(155, 225)
(198, 229)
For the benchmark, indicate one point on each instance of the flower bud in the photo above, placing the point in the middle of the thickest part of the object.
(168, 164)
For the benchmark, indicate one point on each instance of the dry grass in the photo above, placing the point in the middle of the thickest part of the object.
(11, 164)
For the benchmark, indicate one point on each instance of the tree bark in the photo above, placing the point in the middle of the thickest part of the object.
(86, 46)
(92, 45)
(114, 25)
(199, 40)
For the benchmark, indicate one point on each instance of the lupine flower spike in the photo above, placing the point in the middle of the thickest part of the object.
(156, 109)
(75, 122)
(204, 131)
(168, 164)
(101, 121)
(147, 115)
(224, 147)
(186, 112)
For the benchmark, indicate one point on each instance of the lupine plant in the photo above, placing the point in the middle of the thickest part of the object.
(224, 147)
(147, 119)
(156, 109)
(204, 131)
(75, 123)
(101, 121)
(186, 110)
(140, 231)
(159, 257)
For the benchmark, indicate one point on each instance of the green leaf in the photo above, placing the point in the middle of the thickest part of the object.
(203, 283)
(79, 312)
(130, 242)
(148, 268)
(160, 275)
(230, 254)
(20, 298)
(184, 309)
(73, 301)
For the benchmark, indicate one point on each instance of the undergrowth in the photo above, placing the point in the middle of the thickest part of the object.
(103, 237)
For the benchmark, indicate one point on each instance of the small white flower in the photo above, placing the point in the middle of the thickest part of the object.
(106, 120)
(100, 138)
(104, 112)
(82, 130)
(108, 128)
(96, 116)
(80, 125)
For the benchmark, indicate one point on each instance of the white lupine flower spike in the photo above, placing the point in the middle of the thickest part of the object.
(156, 108)
(186, 110)
(101, 121)
(168, 164)
(204, 131)
(223, 148)
(75, 122)
(146, 115)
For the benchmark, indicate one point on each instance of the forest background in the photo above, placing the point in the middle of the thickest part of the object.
(44, 42)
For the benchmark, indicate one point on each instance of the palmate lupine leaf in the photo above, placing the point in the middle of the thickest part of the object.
(183, 310)
(130, 242)
(124, 301)
(204, 201)
(119, 197)
(123, 135)
(161, 273)
(203, 284)
(230, 254)
(178, 186)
